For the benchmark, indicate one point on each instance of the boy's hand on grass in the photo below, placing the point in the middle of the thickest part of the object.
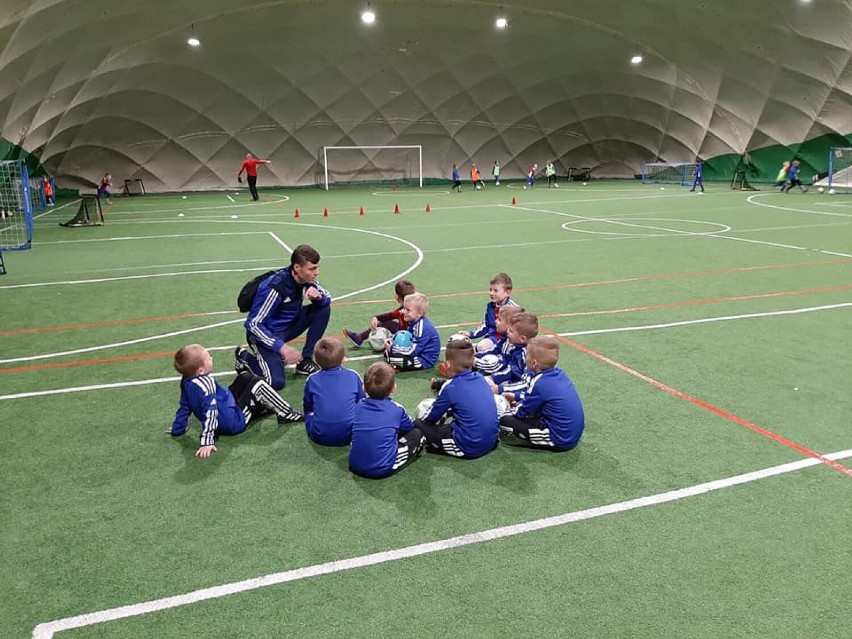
(205, 451)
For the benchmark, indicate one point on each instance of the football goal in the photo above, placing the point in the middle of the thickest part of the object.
(839, 178)
(681, 173)
(16, 209)
(372, 165)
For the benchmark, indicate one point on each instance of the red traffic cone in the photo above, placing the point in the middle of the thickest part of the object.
(513, 202)
(297, 213)
(325, 212)
(361, 212)
(428, 208)
(396, 208)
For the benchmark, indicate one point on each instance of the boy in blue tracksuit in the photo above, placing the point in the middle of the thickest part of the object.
(383, 438)
(497, 358)
(331, 395)
(425, 346)
(550, 415)
(794, 179)
(499, 290)
(513, 377)
(279, 315)
(221, 411)
(456, 179)
(474, 427)
(698, 177)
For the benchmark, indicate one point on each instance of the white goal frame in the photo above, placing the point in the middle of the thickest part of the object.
(326, 149)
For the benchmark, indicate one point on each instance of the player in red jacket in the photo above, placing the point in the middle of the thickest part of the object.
(250, 167)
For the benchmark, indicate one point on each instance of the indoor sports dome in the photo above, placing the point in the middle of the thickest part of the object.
(88, 87)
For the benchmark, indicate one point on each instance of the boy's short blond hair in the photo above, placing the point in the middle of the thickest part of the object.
(189, 359)
(501, 279)
(526, 324)
(419, 301)
(506, 313)
(459, 354)
(544, 349)
(328, 353)
(379, 379)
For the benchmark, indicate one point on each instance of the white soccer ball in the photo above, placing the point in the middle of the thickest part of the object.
(831, 191)
(584, 183)
(478, 188)
(662, 188)
(183, 196)
(556, 185)
(424, 407)
(821, 190)
(459, 337)
(378, 338)
(503, 406)
(497, 183)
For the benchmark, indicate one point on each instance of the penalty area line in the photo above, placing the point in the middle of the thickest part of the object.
(49, 629)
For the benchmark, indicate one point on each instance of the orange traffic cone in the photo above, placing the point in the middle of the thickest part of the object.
(396, 208)
(297, 213)
(325, 212)
(428, 208)
(361, 212)
(513, 202)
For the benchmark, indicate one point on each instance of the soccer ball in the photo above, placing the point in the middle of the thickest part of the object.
(377, 338)
(821, 190)
(497, 183)
(459, 337)
(489, 364)
(503, 406)
(478, 188)
(424, 407)
(831, 191)
(402, 339)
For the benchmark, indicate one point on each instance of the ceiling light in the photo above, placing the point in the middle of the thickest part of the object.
(501, 23)
(368, 17)
(636, 59)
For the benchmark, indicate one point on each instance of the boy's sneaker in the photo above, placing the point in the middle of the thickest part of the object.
(307, 367)
(239, 363)
(291, 417)
(353, 337)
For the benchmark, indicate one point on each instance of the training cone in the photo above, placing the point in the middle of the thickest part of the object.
(428, 208)
(361, 212)
(325, 212)
(513, 202)
(396, 208)
(296, 214)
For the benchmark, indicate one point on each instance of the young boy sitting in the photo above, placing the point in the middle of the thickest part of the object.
(497, 358)
(500, 289)
(425, 346)
(514, 377)
(393, 321)
(473, 430)
(383, 438)
(331, 395)
(221, 411)
(550, 415)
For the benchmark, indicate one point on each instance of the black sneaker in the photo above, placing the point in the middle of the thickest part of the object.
(291, 417)
(239, 363)
(307, 367)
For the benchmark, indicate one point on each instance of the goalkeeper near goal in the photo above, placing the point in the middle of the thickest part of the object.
(250, 167)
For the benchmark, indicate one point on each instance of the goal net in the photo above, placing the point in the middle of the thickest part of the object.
(16, 209)
(398, 165)
(90, 213)
(681, 173)
(839, 176)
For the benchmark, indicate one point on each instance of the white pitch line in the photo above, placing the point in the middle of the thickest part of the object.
(48, 629)
(600, 331)
(230, 198)
(150, 237)
(281, 242)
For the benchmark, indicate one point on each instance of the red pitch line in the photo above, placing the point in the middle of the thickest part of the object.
(553, 287)
(701, 404)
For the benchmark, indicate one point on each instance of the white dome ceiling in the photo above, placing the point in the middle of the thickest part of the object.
(92, 87)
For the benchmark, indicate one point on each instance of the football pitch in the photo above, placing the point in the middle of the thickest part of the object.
(708, 337)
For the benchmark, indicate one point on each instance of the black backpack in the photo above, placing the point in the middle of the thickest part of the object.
(246, 297)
